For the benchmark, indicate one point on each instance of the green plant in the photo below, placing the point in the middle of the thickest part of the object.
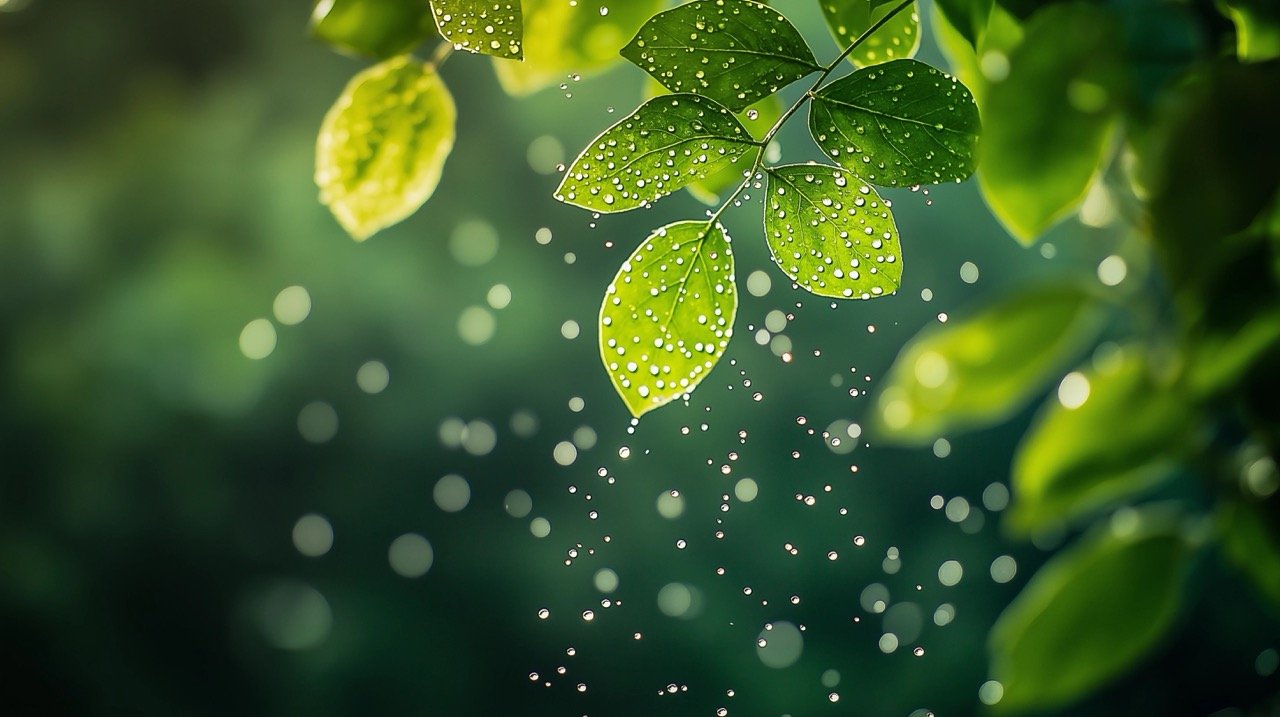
(668, 315)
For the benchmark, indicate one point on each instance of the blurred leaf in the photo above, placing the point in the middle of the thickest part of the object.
(380, 28)
(831, 233)
(735, 53)
(487, 27)
(975, 372)
(562, 38)
(1090, 613)
(899, 124)
(1212, 169)
(668, 143)
(896, 39)
(1048, 125)
(968, 17)
(1257, 28)
(383, 145)
(668, 314)
(1251, 545)
(990, 61)
(1123, 438)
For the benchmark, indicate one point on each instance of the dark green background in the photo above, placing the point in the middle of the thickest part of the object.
(156, 194)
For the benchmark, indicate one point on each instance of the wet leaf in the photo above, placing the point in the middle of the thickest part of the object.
(899, 124)
(1091, 612)
(383, 144)
(831, 233)
(487, 27)
(563, 39)
(668, 143)
(897, 38)
(668, 314)
(1110, 433)
(977, 371)
(1048, 124)
(733, 51)
(379, 28)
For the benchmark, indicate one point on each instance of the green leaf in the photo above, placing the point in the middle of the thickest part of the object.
(1048, 124)
(978, 371)
(899, 124)
(831, 233)
(383, 145)
(380, 28)
(1257, 28)
(487, 27)
(733, 51)
(563, 38)
(978, 68)
(1250, 543)
(668, 314)
(1090, 613)
(1110, 433)
(670, 142)
(897, 38)
(969, 17)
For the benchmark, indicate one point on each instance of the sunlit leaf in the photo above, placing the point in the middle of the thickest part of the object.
(383, 145)
(733, 51)
(831, 233)
(563, 38)
(668, 314)
(1110, 433)
(1250, 543)
(1048, 124)
(488, 27)
(1091, 613)
(1257, 28)
(381, 28)
(977, 371)
(899, 124)
(969, 17)
(668, 143)
(897, 38)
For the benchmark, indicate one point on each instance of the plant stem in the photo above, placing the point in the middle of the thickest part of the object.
(758, 164)
(440, 55)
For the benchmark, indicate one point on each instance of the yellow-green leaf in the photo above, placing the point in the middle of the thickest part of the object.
(563, 38)
(831, 233)
(1091, 613)
(667, 316)
(977, 371)
(383, 145)
(1048, 124)
(380, 28)
(487, 27)
(1110, 432)
(897, 39)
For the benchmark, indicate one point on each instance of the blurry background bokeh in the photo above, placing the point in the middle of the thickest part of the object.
(225, 425)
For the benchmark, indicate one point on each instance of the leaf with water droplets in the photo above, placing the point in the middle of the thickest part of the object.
(733, 51)
(381, 28)
(1050, 122)
(383, 144)
(578, 38)
(1091, 612)
(899, 124)
(487, 27)
(976, 372)
(668, 314)
(668, 143)
(1110, 433)
(831, 233)
(898, 38)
